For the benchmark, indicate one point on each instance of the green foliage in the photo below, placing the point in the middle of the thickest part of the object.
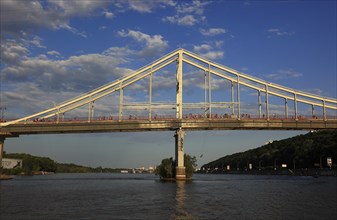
(167, 167)
(303, 150)
(190, 165)
(31, 164)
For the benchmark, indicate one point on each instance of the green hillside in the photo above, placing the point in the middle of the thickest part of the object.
(300, 152)
(33, 164)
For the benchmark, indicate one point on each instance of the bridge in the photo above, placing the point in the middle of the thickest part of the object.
(207, 114)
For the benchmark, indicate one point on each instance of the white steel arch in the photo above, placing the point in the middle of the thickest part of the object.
(181, 56)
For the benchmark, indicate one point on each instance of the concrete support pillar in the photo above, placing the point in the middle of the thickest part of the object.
(179, 87)
(2, 143)
(179, 148)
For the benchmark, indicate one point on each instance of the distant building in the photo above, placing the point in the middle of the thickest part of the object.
(10, 163)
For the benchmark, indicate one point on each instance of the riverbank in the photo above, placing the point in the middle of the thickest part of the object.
(5, 177)
(289, 172)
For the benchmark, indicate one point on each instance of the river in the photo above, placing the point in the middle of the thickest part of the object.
(143, 196)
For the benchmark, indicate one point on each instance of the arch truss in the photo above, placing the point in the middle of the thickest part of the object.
(235, 78)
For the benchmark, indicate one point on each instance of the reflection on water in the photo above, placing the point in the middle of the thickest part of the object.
(141, 196)
(180, 199)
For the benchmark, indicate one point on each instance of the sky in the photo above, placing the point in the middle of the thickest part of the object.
(54, 50)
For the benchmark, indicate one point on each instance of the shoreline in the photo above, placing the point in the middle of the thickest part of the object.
(289, 172)
(5, 177)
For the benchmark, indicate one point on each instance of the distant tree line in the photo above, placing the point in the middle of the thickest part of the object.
(303, 151)
(32, 164)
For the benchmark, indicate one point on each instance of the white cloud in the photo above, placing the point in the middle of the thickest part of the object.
(43, 77)
(33, 41)
(54, 53)
(187, 20)
(205, 50)
(153, 44)
(108, 14)
(213, 55)
(219, 43)
(195, 6)
(142, 6)
(284, 74)
(19, 17)
(278, 32)
(212, 31)
(202, 47)
(188, 13)
(12, 52)
(79, 73)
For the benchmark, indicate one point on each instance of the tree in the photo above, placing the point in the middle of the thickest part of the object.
(167, 169)
(190, 165)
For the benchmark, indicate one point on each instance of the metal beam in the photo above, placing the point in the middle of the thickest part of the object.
(209, 93)
(232, 86)
(205, 99)
(286, 107)
(259, 101)
(254, 79)
(267, 103)
(150, 98)
(324, 110)
(99, 92)
(271, 92)
(238, 98)
(295, 106)
(120, 115)
(89, 111)
(92, 110)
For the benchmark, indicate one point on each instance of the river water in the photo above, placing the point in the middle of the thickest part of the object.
(142, 196)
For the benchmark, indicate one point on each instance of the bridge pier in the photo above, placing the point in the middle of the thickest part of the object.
(179, 151)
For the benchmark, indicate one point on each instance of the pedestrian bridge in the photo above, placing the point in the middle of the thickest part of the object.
(291, 109)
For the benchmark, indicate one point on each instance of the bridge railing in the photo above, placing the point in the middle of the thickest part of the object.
(155, 117)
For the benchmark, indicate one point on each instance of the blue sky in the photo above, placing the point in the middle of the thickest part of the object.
(54, 50)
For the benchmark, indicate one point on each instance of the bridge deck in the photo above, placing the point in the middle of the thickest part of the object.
(164, 125)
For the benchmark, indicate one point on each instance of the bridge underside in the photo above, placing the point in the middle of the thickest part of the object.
(163, 125)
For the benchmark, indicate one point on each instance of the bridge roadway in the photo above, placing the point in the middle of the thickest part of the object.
(163, 124)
